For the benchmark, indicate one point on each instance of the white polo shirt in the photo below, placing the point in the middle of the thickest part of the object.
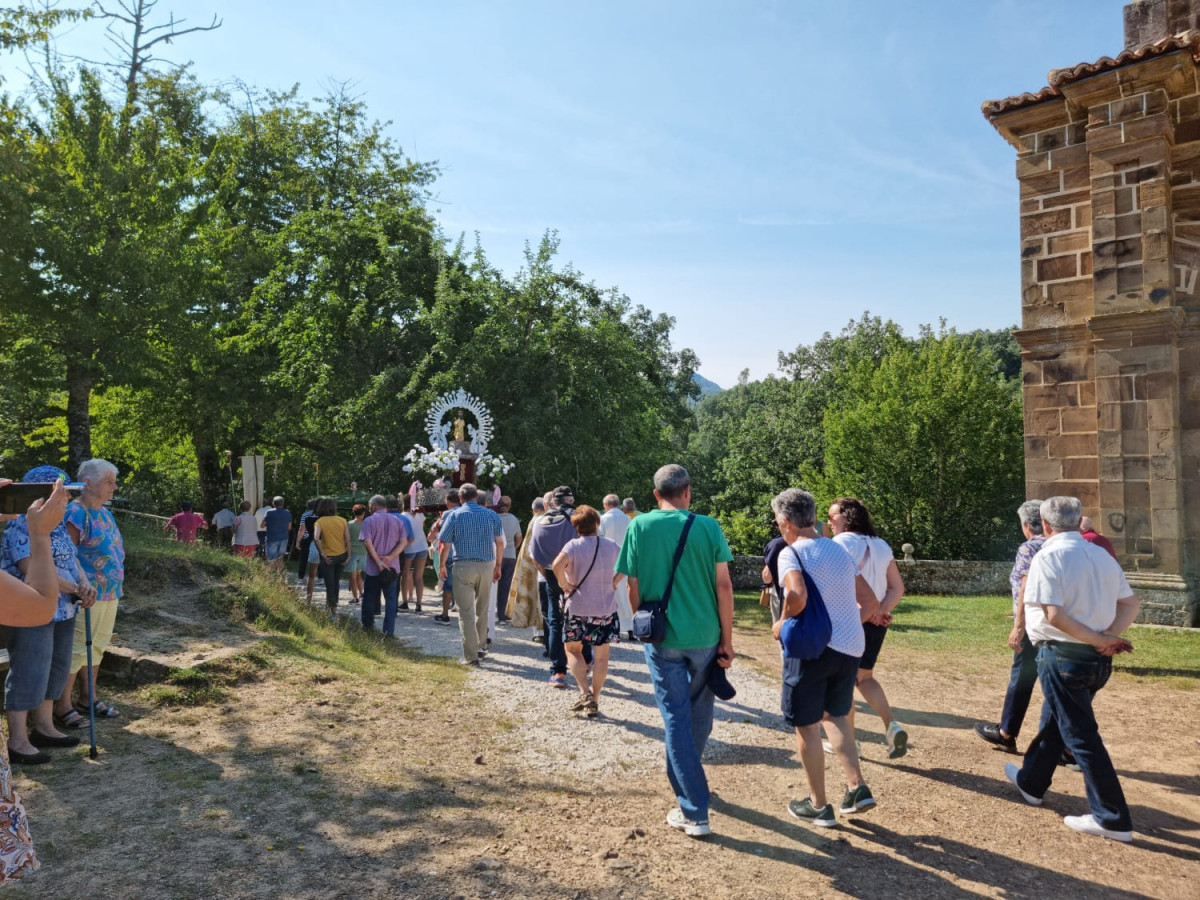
(1081, 578)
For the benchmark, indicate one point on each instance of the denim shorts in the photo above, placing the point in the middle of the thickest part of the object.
(814, 687)
(276, 549)
(357, 563)
(314, 555)
(39, 663)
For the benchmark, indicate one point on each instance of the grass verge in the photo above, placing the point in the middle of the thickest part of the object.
(975, 630)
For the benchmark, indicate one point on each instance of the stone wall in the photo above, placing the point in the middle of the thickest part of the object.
(1108, 161)
(967, 578)
(922, 576)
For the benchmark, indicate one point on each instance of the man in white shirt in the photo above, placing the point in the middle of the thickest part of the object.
(1077, 603)
(613, 525)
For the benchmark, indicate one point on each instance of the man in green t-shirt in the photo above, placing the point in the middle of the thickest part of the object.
(699, 631)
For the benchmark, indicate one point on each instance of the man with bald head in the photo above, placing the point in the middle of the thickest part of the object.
(613, 525)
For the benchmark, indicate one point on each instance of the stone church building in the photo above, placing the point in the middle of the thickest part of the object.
(1108, 160)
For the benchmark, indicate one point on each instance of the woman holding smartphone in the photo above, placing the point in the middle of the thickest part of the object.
(30, 601)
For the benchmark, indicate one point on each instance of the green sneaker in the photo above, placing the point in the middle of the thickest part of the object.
(857, 800)
(806, 812)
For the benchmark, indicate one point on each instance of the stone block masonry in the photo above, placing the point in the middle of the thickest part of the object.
(1108, 161)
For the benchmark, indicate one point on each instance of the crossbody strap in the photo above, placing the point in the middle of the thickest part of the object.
(579, 584)
(687, 526)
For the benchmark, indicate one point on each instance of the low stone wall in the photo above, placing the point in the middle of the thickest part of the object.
(922, 576)
(961, 577)
(746, 572)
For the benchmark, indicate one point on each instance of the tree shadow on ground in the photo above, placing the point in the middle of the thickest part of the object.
(908, 866)
(929, 719)
(1188, 785)
(269, 817)
(972, 863)
(1147, 821)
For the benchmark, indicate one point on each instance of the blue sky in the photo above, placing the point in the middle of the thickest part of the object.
(764, 171)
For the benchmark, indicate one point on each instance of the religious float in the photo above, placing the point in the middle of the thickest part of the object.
(457, 452)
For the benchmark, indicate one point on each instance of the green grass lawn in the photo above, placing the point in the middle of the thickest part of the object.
(975, 630)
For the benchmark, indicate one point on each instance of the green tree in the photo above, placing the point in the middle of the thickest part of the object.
(584, 386)
(931, 440)
(106, 194)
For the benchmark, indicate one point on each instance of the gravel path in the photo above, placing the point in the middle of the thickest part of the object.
(627, 736)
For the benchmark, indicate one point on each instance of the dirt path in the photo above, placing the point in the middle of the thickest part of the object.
(404, 779)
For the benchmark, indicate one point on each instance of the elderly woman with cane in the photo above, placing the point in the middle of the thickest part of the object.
(40, 656)
(101, 550)
(27, 603)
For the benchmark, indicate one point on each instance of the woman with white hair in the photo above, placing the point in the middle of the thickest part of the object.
(1024, 674)
(101, 550)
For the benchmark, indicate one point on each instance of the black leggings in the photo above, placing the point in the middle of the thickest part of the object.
(331, 572)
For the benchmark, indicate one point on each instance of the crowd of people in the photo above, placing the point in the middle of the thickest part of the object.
(580, 577)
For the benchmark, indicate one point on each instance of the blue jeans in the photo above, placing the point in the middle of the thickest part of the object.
(554, 628)
(1071, 674)
(1021, 679)
(372, 589)
(680, 679)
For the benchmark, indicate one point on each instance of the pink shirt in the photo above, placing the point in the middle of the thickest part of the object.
(185, 525)
(595, 598)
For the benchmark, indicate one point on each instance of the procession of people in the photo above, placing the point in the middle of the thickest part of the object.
(584, 581)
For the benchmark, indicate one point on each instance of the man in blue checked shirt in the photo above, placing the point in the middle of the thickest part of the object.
(478, 539)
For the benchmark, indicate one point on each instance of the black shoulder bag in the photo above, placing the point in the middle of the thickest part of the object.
(650, 621)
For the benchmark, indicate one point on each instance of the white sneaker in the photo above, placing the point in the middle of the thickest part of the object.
(897, 740)
(677, 820)
(1012, 771)
(1088, 825)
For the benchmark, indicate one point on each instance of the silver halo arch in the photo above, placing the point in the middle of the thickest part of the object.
(438, 430)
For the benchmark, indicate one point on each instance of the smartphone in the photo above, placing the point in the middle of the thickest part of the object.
(16, 498)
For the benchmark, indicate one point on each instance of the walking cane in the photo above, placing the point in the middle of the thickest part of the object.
(87, 628)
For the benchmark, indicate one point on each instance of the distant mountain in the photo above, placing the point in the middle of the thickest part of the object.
(707, 388)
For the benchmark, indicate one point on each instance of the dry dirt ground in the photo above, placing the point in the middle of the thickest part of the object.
(393, 778)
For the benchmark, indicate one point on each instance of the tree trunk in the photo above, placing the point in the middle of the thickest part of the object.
(214, 476)
(79, 417)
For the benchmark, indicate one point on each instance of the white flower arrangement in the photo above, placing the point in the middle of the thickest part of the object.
(420, 459)
(493, 467)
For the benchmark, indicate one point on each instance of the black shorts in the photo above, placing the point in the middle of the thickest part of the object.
(874, 635)
(814, 687)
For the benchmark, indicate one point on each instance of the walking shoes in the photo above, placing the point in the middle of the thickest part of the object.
(806, 812)
(991, 734)
(1088, 825)
(677, 820)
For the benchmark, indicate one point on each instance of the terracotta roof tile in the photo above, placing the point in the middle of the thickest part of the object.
(1188, 40)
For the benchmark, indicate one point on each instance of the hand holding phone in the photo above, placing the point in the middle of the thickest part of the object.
(45, 513)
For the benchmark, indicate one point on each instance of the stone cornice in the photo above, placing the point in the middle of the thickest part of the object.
(1032, 339)
(1168, 320)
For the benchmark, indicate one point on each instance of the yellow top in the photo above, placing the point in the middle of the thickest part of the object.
(333, 535)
